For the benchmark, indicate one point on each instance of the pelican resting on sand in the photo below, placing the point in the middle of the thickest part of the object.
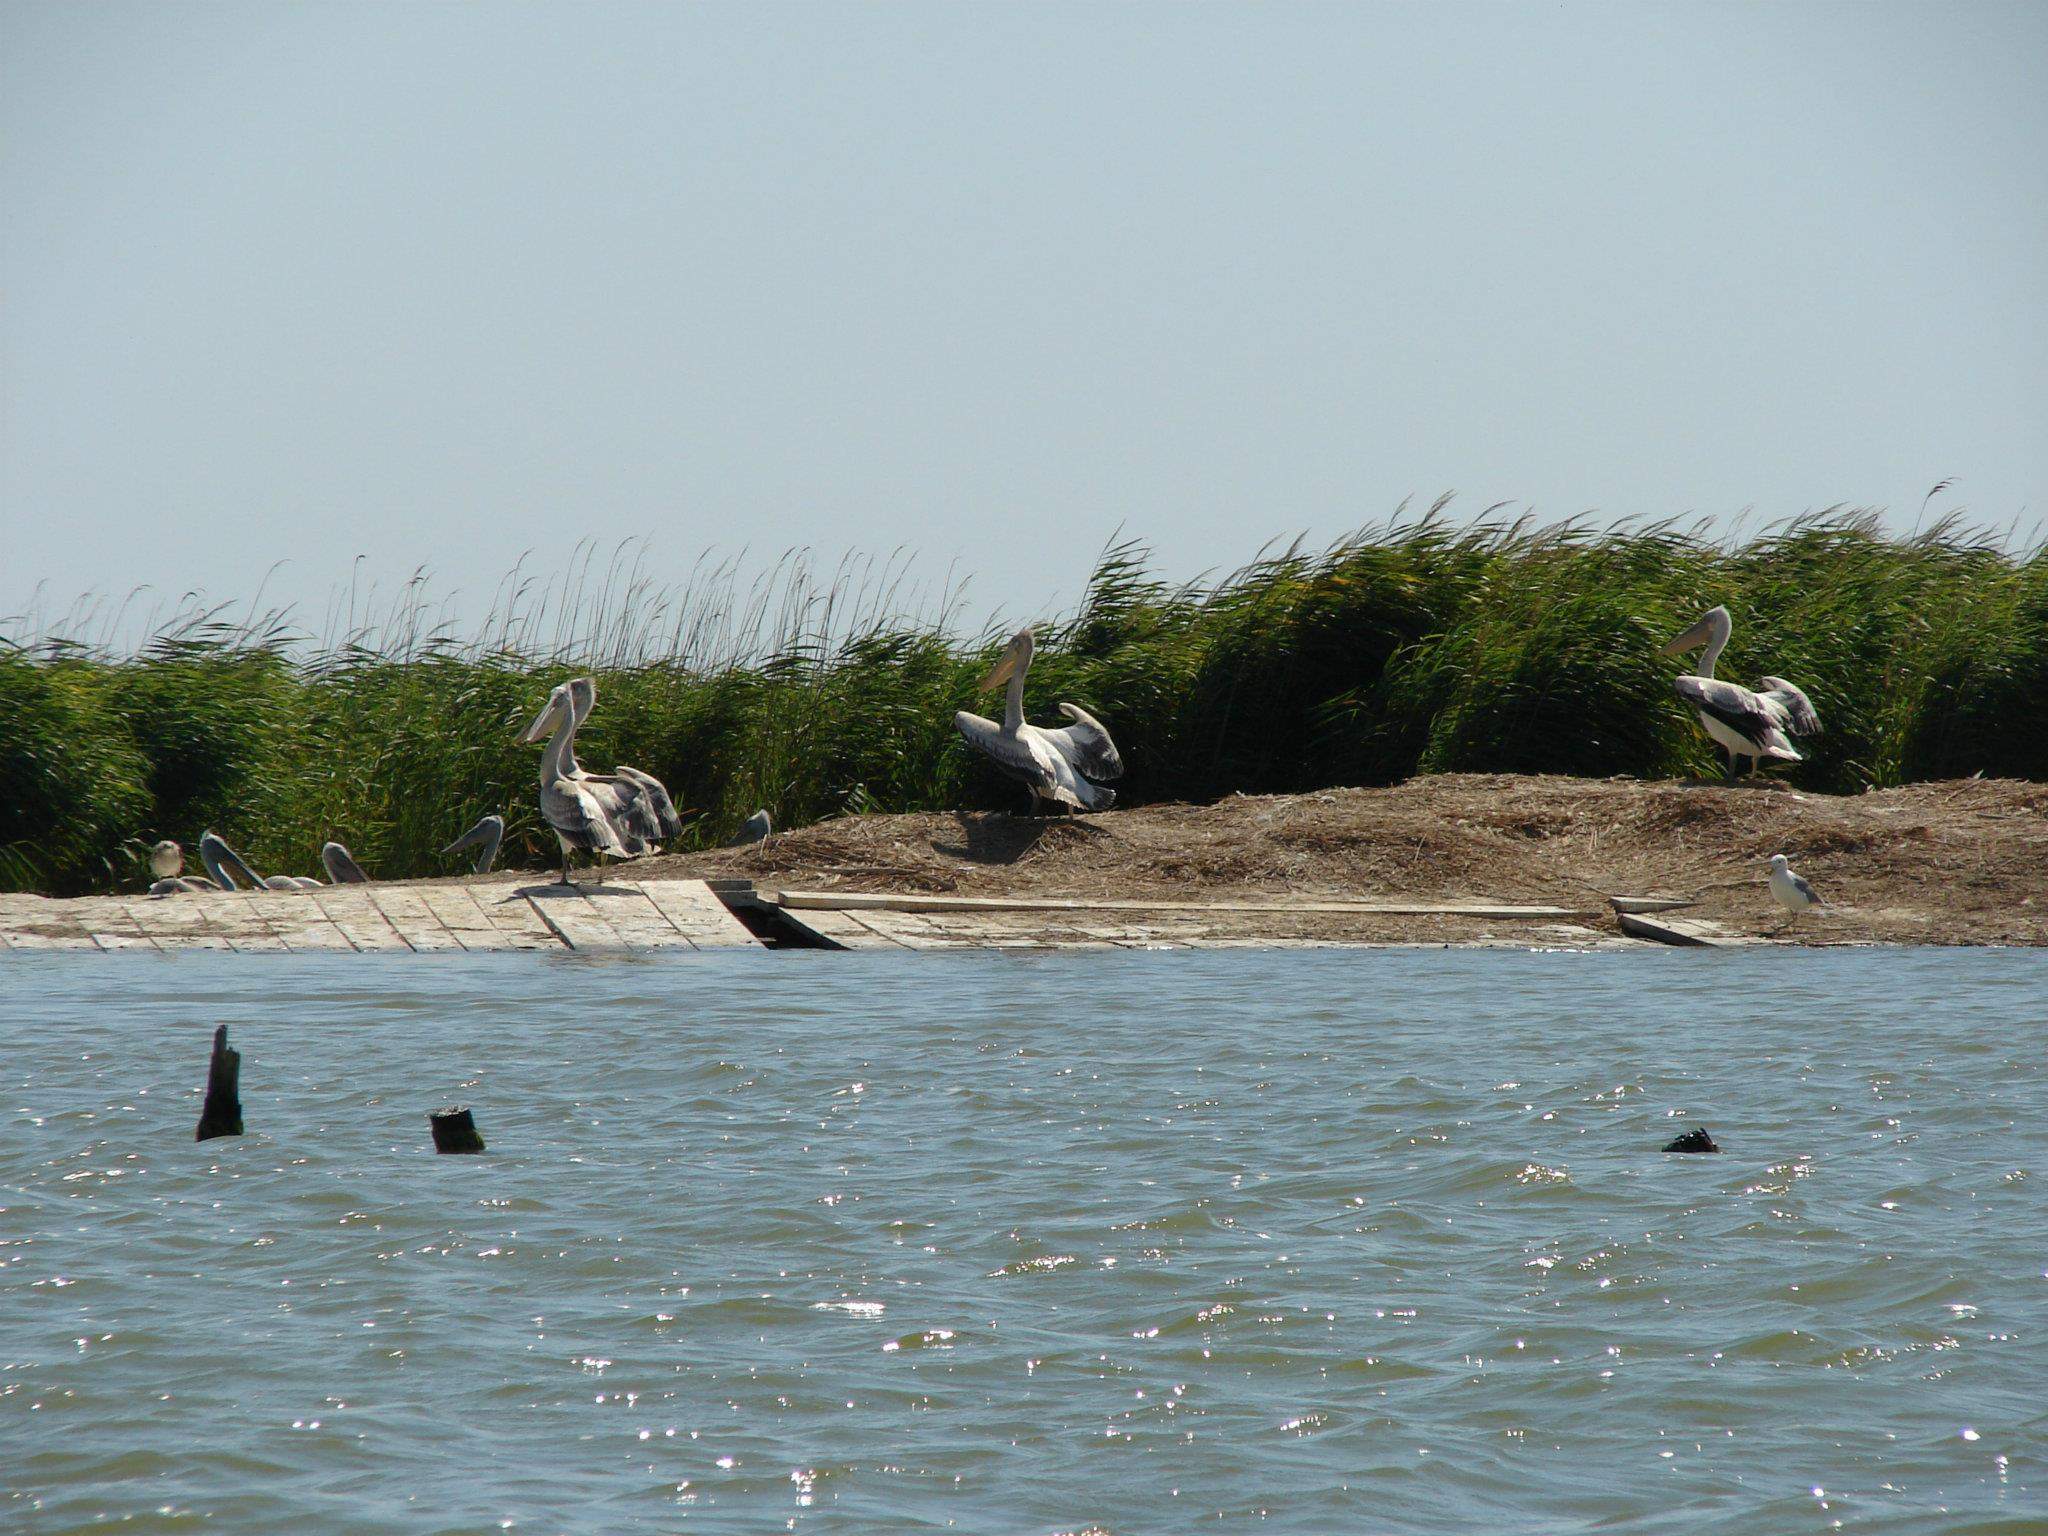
(1755, 724)
(1791, 890)
(484, 837)
(1066, 767)
(619, 814)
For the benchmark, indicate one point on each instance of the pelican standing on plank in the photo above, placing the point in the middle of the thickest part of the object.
(1064, 767)
(1755, 724)
(596, 813)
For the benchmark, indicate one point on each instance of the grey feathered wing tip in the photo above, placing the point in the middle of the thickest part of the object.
(1801, 718)
(341, 866)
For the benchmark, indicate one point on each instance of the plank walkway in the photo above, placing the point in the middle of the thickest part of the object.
(618, 916)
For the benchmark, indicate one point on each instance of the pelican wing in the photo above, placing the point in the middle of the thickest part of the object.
(1740, 710)
(1800, 717)
(578, 813)
(1023, 755)
(1086, 745)
(654, 795)
(626, 806)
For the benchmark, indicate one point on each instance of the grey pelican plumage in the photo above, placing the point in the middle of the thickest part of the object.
(638, 801)
(1067, 766)
(1747, 723)
(340, 865)
(754, 829)
(219, 859)
(484, 837)
(171, 885)
(580, 811)
(1790, 888)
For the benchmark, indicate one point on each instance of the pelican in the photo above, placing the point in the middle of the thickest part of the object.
(171, 885)
(574, 807)
(754, 829)
(340, 865)
(1067, 766)
(219, 859)
(1746, 724)
(1792, 891)
(643, 801)
(484, 837)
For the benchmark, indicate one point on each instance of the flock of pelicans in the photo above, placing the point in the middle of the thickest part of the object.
(627, 813)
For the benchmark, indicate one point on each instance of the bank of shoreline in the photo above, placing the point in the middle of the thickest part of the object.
(1959, 862)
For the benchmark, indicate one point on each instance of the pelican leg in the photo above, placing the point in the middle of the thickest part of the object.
(565, 880)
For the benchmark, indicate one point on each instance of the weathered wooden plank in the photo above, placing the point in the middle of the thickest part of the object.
(695, 910)
(235, 916)
(470, 926)
(574, 920)
(108, 921)
(405, 912)
(355, 916)
(891, 901)
(890, 926)
(172, 922)
(1649, 903)
(1675, 930)
(634, 917)
(838, 930)
(295, 917)
(514, 916)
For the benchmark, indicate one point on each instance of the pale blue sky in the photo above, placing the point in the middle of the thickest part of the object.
(436, 284)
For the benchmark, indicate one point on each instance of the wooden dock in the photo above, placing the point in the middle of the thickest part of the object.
(630, 916)
(615, 917)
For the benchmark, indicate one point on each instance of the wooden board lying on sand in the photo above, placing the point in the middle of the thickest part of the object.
(889, 901)
(616, 917)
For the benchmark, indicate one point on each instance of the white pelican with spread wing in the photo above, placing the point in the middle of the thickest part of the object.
(619, 814)
(1066, 767)
(1748, 723)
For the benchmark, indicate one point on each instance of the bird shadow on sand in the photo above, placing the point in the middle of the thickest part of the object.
(996, 837)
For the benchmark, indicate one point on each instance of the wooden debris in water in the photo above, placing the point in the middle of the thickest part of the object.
(221, 1113)
(455, 1130)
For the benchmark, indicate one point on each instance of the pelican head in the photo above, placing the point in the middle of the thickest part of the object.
(219, 859)
(582, 696)
(166, 860)
(1015, 660)
(484, 837)
(341, 866)
(1713, 625)
(560, 704)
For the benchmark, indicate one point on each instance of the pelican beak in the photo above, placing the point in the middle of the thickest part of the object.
(999, 674)
(544, 722)
(1691, 640)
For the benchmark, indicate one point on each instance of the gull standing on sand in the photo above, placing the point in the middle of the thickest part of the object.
(1791, 890)
(484, 837)
(1746, 724)
(1065, 767)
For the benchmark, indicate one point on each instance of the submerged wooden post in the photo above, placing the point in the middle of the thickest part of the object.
(455, 1131)
(1694, 1140)
(221, 1114)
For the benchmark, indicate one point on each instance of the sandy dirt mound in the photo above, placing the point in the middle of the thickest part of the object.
(1948, 863)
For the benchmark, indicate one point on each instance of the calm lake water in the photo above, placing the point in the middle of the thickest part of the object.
(1303, 1242)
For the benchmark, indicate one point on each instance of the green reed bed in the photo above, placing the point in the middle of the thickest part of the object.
(1415, 648)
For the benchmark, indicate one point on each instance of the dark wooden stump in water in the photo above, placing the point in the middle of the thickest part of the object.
(221, 1114)
(455, 1131)
(1694, 1140)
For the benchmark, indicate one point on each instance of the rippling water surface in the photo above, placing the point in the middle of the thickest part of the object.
(1306, 1242)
